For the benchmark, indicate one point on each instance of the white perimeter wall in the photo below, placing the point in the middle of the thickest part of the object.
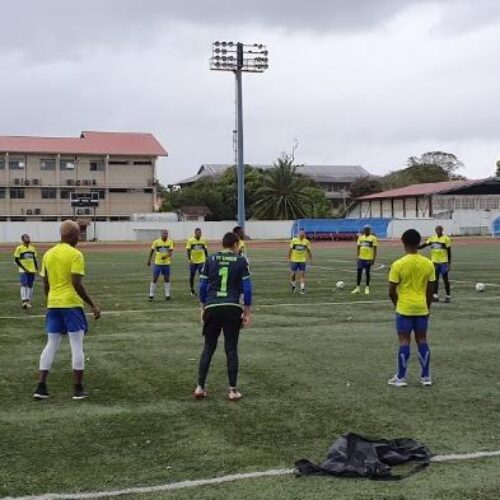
(134, 230)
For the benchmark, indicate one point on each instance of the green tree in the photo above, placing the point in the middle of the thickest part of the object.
(447, 161)
(365, 186)
(284, 195)
(497, 173)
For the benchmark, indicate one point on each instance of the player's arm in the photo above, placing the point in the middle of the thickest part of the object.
(19, 264)
(449, 255)
(188, 253)
(310, 255)
(247, 301)
(35, 261)
(289, 254)
(375, 248)
(46, 285)
(77, 280)
(393, 293)
(429, 293)
(424, 245)
(151, 253)
(358, 249)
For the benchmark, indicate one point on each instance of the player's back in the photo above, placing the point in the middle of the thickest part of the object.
(225, 272)
(412, 274)
(58, 265)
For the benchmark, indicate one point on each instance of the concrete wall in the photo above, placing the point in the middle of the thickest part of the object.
(137, 230)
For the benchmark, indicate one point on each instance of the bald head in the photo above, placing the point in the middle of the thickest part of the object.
(70, 231)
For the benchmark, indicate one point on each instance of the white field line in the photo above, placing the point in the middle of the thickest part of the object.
(256, 308)
(217, 480)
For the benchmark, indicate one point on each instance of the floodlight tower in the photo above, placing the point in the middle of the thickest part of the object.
(238, 58)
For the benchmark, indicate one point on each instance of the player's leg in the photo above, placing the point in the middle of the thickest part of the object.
(154, 280)
(231, 324)
(368, 268)
(166, 277)
(404, 326)
(293, 270)
(446, 280)
(192, 275)
(30, 284)
(424, 352)
(302, 277)
(77, 362)
(437, 269)
(358, 277)
(211, 331)
(23, 282)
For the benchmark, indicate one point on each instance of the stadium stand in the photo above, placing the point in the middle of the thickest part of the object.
(339, 229)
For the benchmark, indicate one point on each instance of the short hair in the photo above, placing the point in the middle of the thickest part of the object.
(197, 229)
(237, 228)
(411, 238)
(229, 240)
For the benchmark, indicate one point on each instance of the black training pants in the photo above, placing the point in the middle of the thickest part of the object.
(228, 320)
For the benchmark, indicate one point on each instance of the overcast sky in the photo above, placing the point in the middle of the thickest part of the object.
(367, 82)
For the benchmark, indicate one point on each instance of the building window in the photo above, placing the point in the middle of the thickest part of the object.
(148, 190)
(97, 166)
(68, 164)
(118, 162)
(2, 163)
(47, 164)
(18, 219)
(100, 192)
(118, 190)
(16, 193)
(17, 164)
(119, 219)
(143, 162)
(66, 193)
(2, 193)
(49, 219)
(49, 193)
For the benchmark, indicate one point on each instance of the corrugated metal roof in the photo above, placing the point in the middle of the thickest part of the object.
(425, 189)
(94, 143)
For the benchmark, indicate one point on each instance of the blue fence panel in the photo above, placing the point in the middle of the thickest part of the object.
(332, 227)
(495, 228)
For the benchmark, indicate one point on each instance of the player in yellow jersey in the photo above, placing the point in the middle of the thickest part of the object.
(162, 250)
(298, 253)
(411, 283)
(25, 257)
(366, 255)
(197, 253)
(63, 268)
(242, 249)
(441, 257)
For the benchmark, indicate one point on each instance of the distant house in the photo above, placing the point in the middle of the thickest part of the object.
(335, 180)
(194, 213)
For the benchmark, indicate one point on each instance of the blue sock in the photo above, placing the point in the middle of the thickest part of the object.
(403, 357)
(424, 354)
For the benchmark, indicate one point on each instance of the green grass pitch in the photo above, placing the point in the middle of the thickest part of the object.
(311, 368)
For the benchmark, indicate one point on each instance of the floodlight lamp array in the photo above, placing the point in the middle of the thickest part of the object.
(231, 56)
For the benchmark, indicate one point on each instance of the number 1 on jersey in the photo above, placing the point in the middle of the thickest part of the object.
(224, 274)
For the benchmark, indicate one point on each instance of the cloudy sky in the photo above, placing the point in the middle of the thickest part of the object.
(366, 82)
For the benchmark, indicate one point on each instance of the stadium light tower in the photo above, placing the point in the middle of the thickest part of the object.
(238, 58)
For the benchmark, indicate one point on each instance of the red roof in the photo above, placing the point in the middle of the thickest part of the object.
(93, 143)
(418, 190)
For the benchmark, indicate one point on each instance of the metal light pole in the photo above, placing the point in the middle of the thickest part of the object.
(239, 58)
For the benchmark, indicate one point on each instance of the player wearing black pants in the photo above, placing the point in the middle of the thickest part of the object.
(224, 278)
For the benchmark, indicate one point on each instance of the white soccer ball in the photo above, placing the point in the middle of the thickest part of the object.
(340, 285)
(480, 287)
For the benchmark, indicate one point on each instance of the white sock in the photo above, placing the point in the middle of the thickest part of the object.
(167, 289)
(30, 293)
(302, 286)
(21, 289)
(47, 357)
(76, 344)
(152, 289)
(293, 283)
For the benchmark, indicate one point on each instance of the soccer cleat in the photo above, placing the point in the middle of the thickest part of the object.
(41, 391)
(356, 290)
(79, 393)
(28, 305)
(234, 394)
(435, 298)
(151, 298)
(302, 291)
(293, 288)
(426, 381)
(397, 382)
(193, 293)
(25, 305)
(167, 297)
(447, 300)
(199, 392)
(367, 290)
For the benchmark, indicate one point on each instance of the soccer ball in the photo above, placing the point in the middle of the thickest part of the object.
(340, 285)
(480, 287)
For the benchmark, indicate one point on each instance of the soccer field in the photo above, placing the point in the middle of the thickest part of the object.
(311, 368)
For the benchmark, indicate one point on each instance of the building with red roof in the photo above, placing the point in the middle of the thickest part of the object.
(39, 174)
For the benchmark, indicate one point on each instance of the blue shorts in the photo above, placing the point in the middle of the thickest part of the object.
(408, 324)
(364, 264)
(163, 269)
(64, 320)
(27, 279)
(441, 268)
(297, 266)
(194, 268)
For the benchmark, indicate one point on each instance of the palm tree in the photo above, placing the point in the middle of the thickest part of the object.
(284, 193)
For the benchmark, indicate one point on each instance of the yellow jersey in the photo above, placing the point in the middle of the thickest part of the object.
(299, 248)
(412, 273)
(162, 251)
(242, 249)
(26, 256)
(367, 245)
(439, 248)
(58, 265)
(198, 249)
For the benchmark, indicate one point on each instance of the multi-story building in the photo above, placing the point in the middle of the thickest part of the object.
(38, 175)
